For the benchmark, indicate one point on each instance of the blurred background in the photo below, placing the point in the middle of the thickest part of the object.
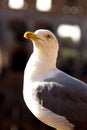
(67, 19)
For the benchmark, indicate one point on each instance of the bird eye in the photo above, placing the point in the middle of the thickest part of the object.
(48, 36)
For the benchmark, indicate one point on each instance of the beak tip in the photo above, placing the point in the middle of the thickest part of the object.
(25, 35)
(30, 36)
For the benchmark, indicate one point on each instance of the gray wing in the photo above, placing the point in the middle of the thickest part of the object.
(66, 96)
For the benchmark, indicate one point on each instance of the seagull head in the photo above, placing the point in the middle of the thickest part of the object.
(44, 42)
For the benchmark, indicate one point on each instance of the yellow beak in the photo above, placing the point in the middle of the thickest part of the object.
(31, 36)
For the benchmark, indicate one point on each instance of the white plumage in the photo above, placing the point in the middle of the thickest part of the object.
(53, 96)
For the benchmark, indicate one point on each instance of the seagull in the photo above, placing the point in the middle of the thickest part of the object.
(54, 97)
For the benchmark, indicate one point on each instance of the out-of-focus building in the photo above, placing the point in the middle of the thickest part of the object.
(32, 15)
(67, 19)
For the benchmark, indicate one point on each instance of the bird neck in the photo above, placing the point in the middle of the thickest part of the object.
(38, 66)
